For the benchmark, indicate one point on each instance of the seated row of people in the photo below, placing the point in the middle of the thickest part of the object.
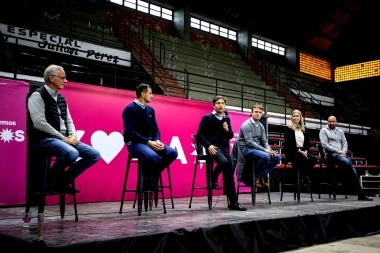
(253, 144)
(51, 129)
(334, 143)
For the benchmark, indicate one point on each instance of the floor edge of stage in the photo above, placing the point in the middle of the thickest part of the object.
(271, 235)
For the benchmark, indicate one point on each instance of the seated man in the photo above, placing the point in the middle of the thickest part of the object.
(51, 129)
(214, 133)
(142, 136)
(335, 147)
(254, 145)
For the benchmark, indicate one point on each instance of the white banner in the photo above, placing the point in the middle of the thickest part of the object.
(57, 44)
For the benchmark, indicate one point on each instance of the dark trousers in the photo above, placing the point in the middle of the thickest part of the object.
(224, 164)
(305, 165)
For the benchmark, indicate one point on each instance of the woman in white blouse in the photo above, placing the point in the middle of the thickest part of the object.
(297, 145)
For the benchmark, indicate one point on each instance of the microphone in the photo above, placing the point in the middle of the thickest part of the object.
(225, 115)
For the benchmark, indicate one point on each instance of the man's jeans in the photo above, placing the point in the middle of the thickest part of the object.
(66, 155)
(265, 163)
(345, 165)
(154, 161)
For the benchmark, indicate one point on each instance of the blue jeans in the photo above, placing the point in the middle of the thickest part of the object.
(265, 163)
(345, 165)
(65, 155)
(154, 162)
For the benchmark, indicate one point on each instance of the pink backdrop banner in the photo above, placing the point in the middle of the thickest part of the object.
(13, 143)
(96, 112)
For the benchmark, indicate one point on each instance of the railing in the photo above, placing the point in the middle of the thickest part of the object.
(235, 92)
(126, 78)
(162, 53)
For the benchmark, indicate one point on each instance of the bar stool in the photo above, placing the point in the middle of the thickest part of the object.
(37, 186)
(297, 185)
(202, 156)
(37, 190)
(249, 167)
(330, 167)
(139, 190)
(168, 186)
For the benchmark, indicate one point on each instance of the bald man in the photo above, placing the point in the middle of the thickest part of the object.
(335, 147)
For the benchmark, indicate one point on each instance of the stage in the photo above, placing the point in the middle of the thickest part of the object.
(264, 227)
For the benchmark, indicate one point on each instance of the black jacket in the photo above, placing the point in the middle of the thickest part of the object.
(290, 146)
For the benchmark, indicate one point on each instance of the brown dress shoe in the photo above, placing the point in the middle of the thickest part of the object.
(258, 184)
(262, 182)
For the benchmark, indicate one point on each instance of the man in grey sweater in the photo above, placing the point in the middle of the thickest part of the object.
(335, 147)
(254, 145)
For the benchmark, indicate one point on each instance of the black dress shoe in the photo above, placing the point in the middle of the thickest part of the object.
(67, 189)
(150, 185)
(52, 190)
(364, 197)
(237, 207)
(215, 186)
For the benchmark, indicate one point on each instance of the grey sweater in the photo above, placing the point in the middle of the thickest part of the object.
(333, 140)
(252, 135)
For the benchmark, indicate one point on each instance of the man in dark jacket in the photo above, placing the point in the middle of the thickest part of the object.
(51, 130)
(214, 133)
(142, 136)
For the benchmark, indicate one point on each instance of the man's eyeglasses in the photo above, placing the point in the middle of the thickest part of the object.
(63, 78)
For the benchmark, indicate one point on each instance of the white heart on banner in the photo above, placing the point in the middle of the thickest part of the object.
(108, 145)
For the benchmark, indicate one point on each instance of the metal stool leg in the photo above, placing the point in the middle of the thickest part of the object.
(162, 194)
(41, 205)
(209, 184)
(74, 193)
(282, 183)
(311, 191)
(333, 186)
(125, 183)
(170, 185)
(140, 187)
(253, 189)
(193, 184)
(298, 185)
(269, 201)
(165, 186)
(62, 205)
(147, 197)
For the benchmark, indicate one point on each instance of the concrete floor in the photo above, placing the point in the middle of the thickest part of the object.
(367, 244)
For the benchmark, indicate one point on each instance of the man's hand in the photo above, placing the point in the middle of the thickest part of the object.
(212, 149)
(156, 145)
(71, 140)
(270, 152)
(342, 153)
(225, 126)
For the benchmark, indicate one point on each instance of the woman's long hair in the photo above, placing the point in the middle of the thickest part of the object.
(292, 126)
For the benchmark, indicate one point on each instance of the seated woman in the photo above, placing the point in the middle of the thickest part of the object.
(297, 146)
